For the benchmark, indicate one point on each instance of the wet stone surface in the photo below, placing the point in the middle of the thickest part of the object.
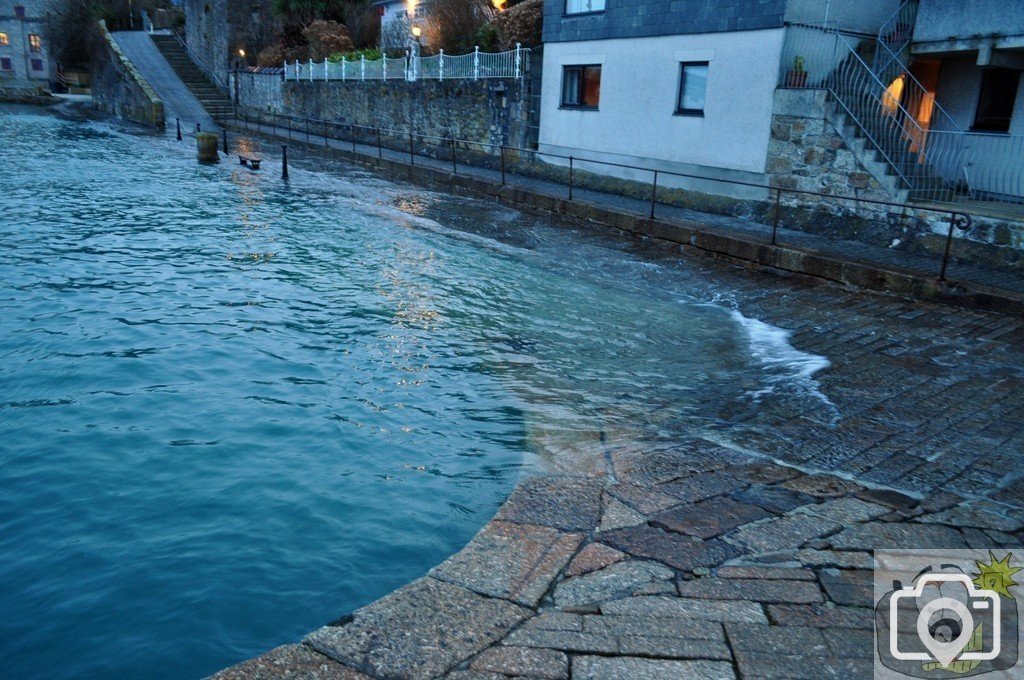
(747, 556)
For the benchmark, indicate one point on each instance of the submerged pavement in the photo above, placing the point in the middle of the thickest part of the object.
(740, 553)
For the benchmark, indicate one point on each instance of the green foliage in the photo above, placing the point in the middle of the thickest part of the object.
(488, 37)
(371, 53)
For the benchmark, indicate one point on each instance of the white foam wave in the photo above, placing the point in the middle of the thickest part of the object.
(785, 366)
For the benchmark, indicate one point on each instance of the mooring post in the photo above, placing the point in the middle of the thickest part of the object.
(284, 161)
(224, 132)
(198, 128)
(179, 128)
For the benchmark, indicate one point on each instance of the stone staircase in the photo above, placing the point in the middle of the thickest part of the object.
(208, 94)
(886, 143)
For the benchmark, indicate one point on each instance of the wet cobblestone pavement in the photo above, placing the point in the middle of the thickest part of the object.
(741, 553)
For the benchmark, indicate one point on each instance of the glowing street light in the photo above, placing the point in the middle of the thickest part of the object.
(417, 31)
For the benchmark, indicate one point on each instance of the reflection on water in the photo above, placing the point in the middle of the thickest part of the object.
(234, 408)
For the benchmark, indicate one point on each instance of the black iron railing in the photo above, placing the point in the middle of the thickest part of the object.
(379, 139)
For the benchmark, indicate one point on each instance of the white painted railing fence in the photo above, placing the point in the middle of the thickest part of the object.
(472, 66)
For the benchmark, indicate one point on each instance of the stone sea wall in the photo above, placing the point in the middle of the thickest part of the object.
(207, 32)
(491, 111)
(118, 88)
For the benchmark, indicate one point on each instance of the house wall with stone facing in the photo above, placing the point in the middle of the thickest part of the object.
(492, 111)
(807, 152)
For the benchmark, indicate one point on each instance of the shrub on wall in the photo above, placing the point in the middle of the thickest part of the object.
(452, 25)
(521, 23)
(326, 38)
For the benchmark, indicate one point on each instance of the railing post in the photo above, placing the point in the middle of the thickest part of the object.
(476, 62)
(311, 69)
(775, 217)
(344, 64)
(949, 241)
(384, 67)
(519, 62)
(325, 69)
(380, 150)
(284, 161)
(570, 178)
(502, 165)
(198, 128)
(654, 192)
(362, 67)
(440, 65)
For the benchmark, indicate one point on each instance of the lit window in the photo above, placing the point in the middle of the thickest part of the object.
(5, 64)
(4, 40)
(996, 100)
(37, 64)
(581, 86)
(693, 87)
(583, 6)
(35, 43)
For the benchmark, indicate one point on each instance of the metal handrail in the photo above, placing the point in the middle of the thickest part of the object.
(199, 62)
(905, 15)
(958, 220)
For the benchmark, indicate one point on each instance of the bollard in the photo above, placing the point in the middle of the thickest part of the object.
(198, 129)
(179, 128)
(284, 161)
(225, 133)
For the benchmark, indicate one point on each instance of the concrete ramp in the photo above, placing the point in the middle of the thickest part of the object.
(179, 102)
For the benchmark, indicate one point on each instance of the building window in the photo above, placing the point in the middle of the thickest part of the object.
(693, 88)
(35, 43)
(5, 64)
(996, 99)
(583, 6)
(19, 11)
(581, 86)
(4, 40)
(37, 64)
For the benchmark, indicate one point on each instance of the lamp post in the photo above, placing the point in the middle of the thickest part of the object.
(414, 51)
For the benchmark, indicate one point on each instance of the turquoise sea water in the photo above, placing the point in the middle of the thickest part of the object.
(233, 409)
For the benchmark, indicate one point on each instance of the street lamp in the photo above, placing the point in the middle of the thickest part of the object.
(417, 32)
